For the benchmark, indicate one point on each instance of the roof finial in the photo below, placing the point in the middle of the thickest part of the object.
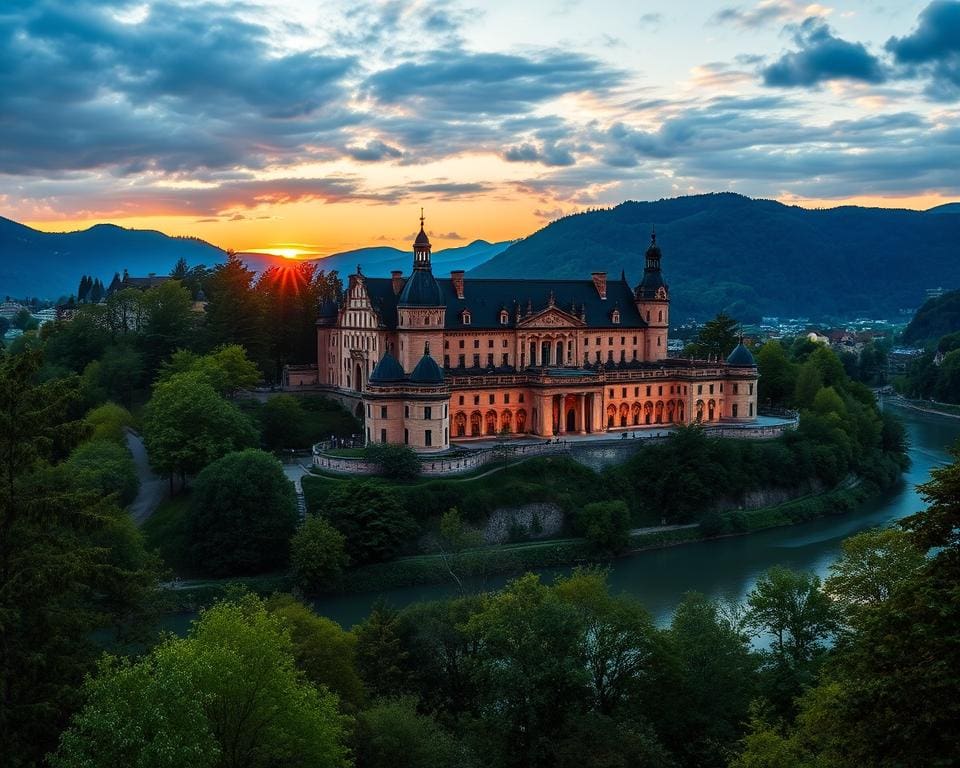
(653, 234)
(426, 348)
(359, 269)
(421, 218)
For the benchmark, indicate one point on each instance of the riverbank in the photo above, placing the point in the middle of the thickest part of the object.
(947, 410)
(513, 559)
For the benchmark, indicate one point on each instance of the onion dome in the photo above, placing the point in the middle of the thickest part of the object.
(649, 287)
(388, 370)
(421, 290)
(741, 357)
(426, 371)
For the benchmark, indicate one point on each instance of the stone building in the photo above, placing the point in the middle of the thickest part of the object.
(427, 360)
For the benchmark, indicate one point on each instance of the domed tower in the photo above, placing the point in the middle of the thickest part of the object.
(653, 302)
(740, 403)
(421, 309)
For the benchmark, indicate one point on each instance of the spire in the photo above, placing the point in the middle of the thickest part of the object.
(421, 247)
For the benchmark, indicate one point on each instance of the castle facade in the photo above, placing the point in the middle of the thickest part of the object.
(428, 360)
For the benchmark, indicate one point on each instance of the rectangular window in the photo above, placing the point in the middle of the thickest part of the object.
(636, 391)
(446, 344)
(383, 411)
(383, 435)
(598, 355)
(751, 390)
(506, 398)
(623, 340)
(721, 387)
(476, 361)
(586, 342)
(521, 397)
(428, 437)
(461, 361)
(461, 343)
(505, 344)
(659, 391)
(476, 343)
(634, 339)
(490, 360)
(461, 399)
(476, 399)
(406, 411)
(735, 388)
(491, 399)
(446, 361)
(406, 437)
(648, 390)
(427, 412)
(506, 359)
(699, 389)
(368, 410)
(489, 343)
(751, 410)
(623, 392)
(734, 410)
(598, 341)
(611, 393)
(610, 341)
(711, 389)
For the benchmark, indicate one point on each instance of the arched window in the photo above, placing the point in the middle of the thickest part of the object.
(521, 420)
(504, 317)
(491, 422)
(460, 424)
(615, 317)
(476, 424)
(506, 421)
(465, 317)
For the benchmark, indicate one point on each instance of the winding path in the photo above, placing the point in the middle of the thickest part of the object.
(153, 489)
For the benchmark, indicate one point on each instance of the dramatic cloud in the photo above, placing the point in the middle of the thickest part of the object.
(933, 48)
(822, 56)
(548, 154)
(768, 12)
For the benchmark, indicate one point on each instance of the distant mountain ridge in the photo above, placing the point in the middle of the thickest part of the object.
(936, 318)
(752, 257)
(49, 265)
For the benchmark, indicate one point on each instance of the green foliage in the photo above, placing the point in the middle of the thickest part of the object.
(282, 423)
(778, 375)
(716, 339)
(323, 651)
(227, 695)
(108, 422)
(243, 512)
(68, 565)
(317, 555)
(227, 369)
(235, 313)
(381, 656)
(375, 523)
(936, 318)
(606, 524)
(393, 733)
(396, 462)
(104, 468)
(187, 425)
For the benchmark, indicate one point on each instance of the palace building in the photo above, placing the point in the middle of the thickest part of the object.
(428, 360)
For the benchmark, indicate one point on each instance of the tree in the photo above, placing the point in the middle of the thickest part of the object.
(530, 670)
(105, 468)
(809, 382)
(108, 422)
(59, 583)
(793, 609)
(396, 462)
(393, 733)
(227, 695)
(323, 650)
(227, 369)
(283, 422)
(872, 565)
(242, 514)
(606, 524)
(381, 656)
(169, 321)
(234, 310)
(118, 372)
(717, 338)
(455, 537)
(778, 375)
(372, 518)
(187, 425)
(317, 555)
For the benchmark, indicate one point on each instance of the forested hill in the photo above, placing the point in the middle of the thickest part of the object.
(49, 264)
(752, 257)
(937, 318)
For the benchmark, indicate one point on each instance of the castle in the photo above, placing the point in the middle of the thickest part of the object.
(426, 360)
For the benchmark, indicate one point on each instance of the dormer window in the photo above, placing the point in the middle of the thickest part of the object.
(465, 317)
(615, 317)
(504, 317)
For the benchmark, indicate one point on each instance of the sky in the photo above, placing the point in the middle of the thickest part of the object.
(308, 127)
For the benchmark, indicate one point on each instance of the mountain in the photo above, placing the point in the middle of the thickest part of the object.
(753, 257)
(49, 264)
(945, 208)
(936, 318)
(378, 261)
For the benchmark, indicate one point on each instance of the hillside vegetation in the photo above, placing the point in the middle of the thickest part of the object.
(753, 257)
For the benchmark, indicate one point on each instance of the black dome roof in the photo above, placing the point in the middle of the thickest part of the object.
(421, 290)
(387, 370)
(741, 357)
(426, 371)
(422, 238)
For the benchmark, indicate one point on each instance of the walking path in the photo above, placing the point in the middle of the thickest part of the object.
(153, 489)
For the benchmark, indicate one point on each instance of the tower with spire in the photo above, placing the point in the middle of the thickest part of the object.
(652, 297)
(421, 308)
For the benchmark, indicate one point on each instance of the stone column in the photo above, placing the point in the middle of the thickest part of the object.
(562, 420)
(581, 416)
(598, 418)
(545, 409)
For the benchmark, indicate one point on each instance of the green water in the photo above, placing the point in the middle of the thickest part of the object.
(727, 568)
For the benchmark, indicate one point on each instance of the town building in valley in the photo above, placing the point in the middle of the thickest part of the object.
(428, 360)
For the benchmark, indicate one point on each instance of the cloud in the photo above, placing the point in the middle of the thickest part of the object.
(462, 83)
(822, 57)
(449, 236)
(551, 154)
(767, 12)
(374, 151)
(933, 49)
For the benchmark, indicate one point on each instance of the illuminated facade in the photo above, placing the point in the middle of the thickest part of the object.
(429, 360)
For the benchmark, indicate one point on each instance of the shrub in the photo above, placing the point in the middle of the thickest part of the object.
(374, 522)
(242, 514)
(105, 468)
(396, 462)
(606, 524)
(317, 554)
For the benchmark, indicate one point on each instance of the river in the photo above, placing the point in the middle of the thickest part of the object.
(727, 568)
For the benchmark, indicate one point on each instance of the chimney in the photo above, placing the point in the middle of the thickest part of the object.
(456, 277)
(396, 277)
(600, 283)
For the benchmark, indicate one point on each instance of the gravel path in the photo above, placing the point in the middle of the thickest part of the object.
(153, 489)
